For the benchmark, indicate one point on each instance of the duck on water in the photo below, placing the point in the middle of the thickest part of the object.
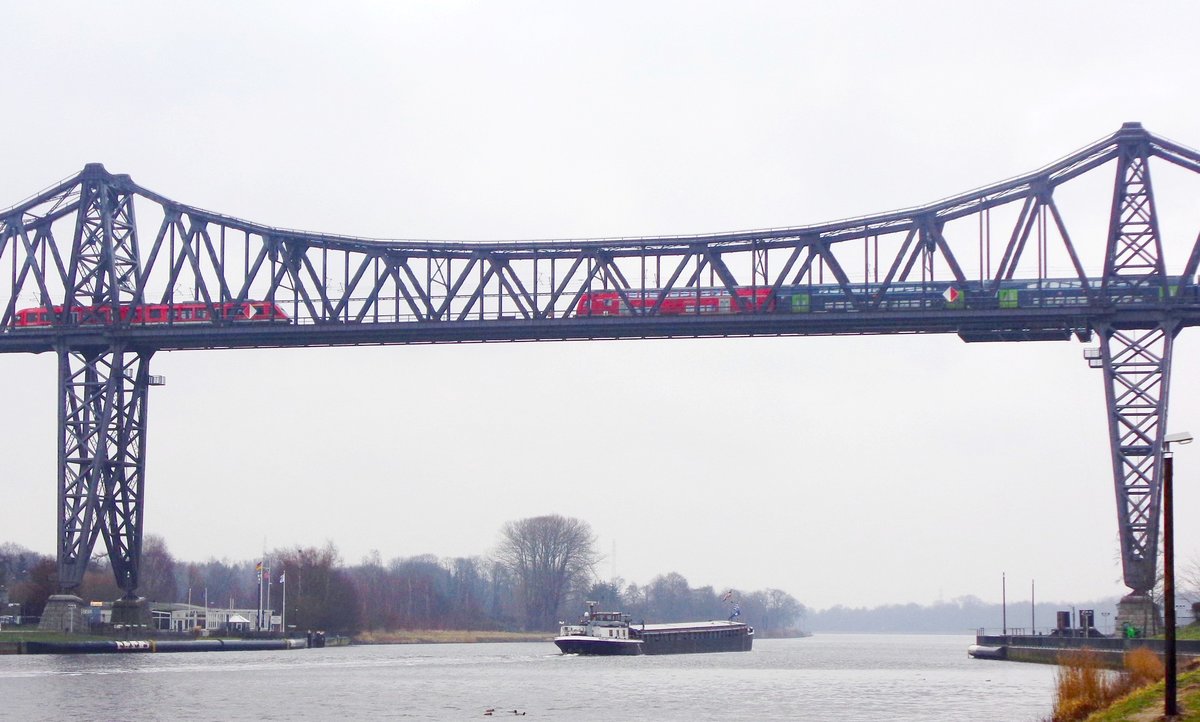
(613, 633)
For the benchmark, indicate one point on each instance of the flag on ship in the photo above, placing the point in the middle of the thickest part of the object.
(728, 596)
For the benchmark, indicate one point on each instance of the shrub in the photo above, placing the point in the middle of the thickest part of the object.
(1081, 686)
(1143, 667)
(1084, 686)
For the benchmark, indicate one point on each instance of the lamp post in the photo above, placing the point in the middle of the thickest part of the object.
(1170, 696)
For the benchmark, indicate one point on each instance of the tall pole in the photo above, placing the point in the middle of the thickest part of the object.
(259, 572)
(267, 571)
(1170, 706)
(283, 615)
(1003, 605)
(1032, 606)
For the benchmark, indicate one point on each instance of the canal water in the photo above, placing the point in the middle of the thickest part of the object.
(825, 677)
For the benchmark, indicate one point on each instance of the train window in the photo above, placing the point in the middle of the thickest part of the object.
(201, 313)
(185, 314)
(155, 314)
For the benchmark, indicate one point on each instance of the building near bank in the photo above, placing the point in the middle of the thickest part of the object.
(191, 618)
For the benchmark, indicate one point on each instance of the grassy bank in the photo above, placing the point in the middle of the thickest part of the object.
(1191, 631)
(1146, 704)
(35, 635)
(446, 636)
(1087, 691)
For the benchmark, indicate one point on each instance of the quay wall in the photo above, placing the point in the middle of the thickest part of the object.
(149, 646)
(1111, 650)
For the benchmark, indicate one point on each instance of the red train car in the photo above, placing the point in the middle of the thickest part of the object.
(154, 314)
(676, 303)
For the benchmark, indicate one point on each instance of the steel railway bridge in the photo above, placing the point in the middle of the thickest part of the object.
(104, 273)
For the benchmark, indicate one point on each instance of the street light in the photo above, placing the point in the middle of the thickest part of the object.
(1170, 696)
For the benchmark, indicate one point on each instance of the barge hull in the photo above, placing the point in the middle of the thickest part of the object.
(593, 645)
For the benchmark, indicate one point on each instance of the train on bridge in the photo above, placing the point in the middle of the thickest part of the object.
(808, 298)
(927, 296)
(152, 314)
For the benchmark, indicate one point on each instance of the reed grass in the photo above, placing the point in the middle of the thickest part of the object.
(1143, 667)
(1084, 686)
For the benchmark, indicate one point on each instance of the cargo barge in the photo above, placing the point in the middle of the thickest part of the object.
(613, 633)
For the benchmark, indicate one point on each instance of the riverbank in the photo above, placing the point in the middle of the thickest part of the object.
(1047, 649)
(19, 641)
(446, 636)
(43, 642)
(1146, 703)
(12, 641)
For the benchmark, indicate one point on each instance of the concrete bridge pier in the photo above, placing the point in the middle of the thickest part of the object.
(63, 613)
(1139, 611)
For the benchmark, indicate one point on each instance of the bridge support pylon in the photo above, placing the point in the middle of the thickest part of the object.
(102, 388)
(101, 461)
(1137, 373)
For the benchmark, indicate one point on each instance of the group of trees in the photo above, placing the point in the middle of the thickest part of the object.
(669, 597)
(541, 572)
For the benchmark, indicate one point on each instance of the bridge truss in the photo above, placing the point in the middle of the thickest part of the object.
(1000, 257)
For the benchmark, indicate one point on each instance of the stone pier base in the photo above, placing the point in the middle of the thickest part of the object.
(63, 613)
(1139, 611)
(131, 613)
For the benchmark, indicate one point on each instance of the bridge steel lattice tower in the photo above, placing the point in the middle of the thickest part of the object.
(104, 290)
(1137, 375)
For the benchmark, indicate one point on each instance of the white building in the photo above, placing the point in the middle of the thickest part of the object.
(179, 617)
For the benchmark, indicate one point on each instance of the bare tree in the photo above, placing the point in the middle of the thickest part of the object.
(321, 593)
(157, 573)
(545, 554)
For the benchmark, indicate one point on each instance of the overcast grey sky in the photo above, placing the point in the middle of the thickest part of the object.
(843, 470)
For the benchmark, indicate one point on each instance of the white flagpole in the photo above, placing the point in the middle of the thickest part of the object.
(260, 597)
(270, 611)
(283, 616)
